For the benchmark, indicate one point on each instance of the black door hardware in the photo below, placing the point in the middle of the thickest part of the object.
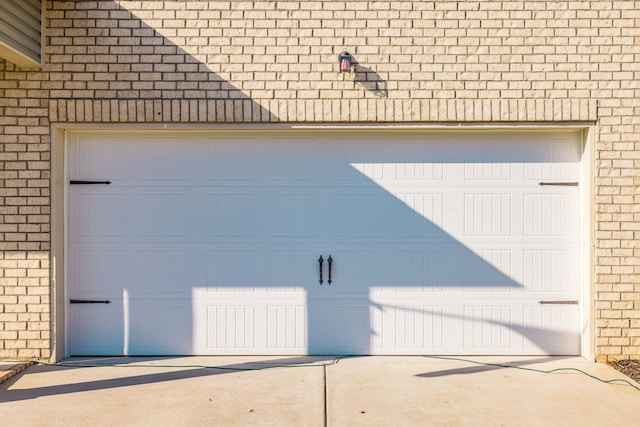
(572, 302)
(320, 261)
(73, 182)
(330, 261)
(559, 184)
(89, 301)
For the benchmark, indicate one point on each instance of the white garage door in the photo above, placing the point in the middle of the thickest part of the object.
(211, 243)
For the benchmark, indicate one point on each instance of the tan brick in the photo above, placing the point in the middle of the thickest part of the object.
(8, 336)
(8, 353)
(31, 353)
(15, 326)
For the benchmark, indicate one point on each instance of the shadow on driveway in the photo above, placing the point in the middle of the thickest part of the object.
(171, 370)
(486, 366)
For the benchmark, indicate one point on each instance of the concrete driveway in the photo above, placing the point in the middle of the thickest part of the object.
(319, 391)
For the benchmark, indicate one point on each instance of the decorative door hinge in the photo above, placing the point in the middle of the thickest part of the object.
(572, 302)
(559, 184)
(74, 182)
(89, 301)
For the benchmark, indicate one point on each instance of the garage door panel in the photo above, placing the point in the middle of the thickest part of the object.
(290, 270)
(359, 214)
(346, 328)
(486, 171)
(106, 270)
(94, 271)
(417, 171)
(400, 174)
(552, 328)
(93, 157)
(96, 329)
(96, 213)
(233, 270)
(267, 269)
(552, 160)
(249, 159)
(161, 270)
(448, 267)
(249, 323)
(287, 327)
(417, 327)
(291, 214)
(296, 160)
(164, 164)
(384, 212)
(417, 270)
(489, 270)
(226, 160)
(439, 243)
(550, 271)
(405, 160)
(231, 214)
(488, 214)
(149, 322)
(353, 272)
(424, 216)
(487, 326)
(231, 326)
(550, 215)
(161, 214)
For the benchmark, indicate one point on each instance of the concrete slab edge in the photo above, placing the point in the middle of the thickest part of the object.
(9, 371)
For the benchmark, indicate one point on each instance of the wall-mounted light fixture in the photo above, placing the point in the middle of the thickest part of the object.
(344, 59)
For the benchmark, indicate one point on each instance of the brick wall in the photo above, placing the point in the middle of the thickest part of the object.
(265, 61)
(24, 215)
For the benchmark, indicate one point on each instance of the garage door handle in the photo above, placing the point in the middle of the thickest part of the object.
(330, 261)
(320, 261)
